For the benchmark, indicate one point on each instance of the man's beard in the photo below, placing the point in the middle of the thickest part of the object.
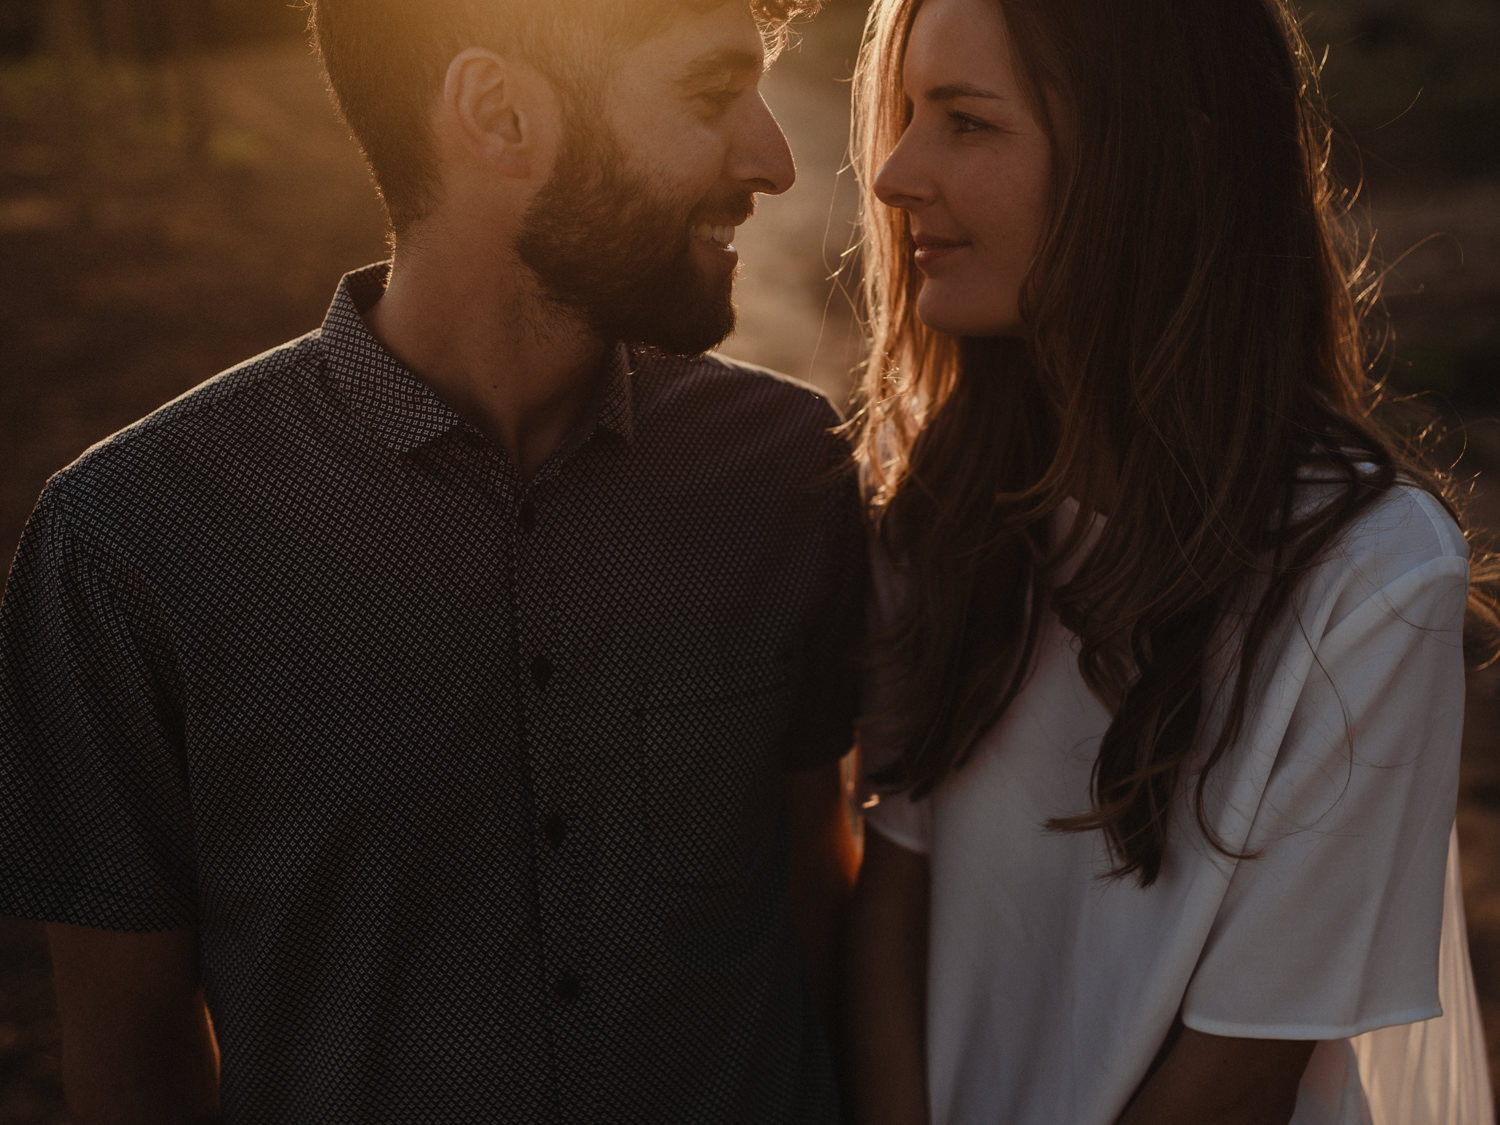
(610, 246)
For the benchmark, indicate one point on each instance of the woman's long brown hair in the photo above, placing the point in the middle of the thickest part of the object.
(1194, 347)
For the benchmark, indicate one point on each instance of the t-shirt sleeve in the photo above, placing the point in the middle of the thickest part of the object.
(822, 726)
(901, 820)
(95, 828)
(1331, 927)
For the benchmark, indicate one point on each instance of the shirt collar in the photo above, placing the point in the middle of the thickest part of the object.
(616, 404)
(399, 408)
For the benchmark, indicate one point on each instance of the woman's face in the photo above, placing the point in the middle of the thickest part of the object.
(973, 169)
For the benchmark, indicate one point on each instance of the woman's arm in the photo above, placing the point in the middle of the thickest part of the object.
(1215, 1080)
(885, 987)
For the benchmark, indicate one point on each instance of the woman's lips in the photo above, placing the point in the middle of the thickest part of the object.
(931, 250)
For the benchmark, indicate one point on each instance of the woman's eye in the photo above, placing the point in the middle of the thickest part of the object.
(963, 123)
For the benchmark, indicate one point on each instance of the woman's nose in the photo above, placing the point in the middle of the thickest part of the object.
(901, 181)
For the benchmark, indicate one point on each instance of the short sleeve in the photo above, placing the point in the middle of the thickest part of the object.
(901, 820)
(895, 816)
(822, 725)
(95, 827)
(1332, 926)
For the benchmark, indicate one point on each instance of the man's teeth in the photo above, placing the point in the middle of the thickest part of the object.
(720, 236)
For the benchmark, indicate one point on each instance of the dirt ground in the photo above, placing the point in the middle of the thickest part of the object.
(155, 229)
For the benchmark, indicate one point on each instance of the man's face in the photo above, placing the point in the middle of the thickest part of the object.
(634, 227)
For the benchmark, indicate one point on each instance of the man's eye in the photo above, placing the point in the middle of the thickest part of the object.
(718, 100)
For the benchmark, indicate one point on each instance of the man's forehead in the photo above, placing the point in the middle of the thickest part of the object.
(704, 40)
(718, 61)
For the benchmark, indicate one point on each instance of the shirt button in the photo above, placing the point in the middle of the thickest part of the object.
(541, 671)
(567, 987)
(526, 517)
(555, 829)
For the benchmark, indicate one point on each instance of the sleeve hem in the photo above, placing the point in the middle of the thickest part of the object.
(47, 901)
(1233, 1030)
(900, 839)
(47, 917)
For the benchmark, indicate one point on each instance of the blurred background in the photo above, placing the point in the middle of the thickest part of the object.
(176, 195)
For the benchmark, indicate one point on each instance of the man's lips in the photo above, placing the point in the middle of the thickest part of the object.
(715, 239)
(718, 234)
(717, 227)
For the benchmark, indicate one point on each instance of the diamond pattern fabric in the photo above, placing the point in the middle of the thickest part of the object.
(471, 783)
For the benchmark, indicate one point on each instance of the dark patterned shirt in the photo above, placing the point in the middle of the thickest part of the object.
(470, 783)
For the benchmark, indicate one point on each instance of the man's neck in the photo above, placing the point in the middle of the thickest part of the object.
(513, 364)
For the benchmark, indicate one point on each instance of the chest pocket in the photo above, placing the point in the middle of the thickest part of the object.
(709, 752)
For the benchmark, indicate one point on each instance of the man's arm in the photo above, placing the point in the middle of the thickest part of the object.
(137, 1045)
(1215, 1080)
(821, 867)
(885, 987)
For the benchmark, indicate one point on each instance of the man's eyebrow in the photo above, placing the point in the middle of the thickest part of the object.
(951, 90)
(716, 64)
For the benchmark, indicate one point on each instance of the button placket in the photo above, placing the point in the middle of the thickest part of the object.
(540, 668)
(541, 665)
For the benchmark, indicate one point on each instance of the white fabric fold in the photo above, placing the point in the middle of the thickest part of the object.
(1413, 1073)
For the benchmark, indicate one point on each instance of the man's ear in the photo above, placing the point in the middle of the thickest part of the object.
(502, 111)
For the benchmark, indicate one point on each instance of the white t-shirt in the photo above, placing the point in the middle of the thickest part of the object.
(1050, 989)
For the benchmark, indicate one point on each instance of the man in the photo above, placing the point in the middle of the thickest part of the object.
(420, 722)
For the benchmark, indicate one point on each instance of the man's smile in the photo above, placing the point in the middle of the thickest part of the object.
(717, 235)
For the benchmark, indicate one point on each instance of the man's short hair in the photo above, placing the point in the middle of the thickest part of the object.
(386, 60)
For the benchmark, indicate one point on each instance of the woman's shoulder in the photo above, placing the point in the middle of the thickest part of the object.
(1402, 542)
(1407, 523)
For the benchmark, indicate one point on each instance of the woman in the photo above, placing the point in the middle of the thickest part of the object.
(1167, 687)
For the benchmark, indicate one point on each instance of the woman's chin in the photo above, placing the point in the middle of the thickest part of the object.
(978, 327)
(962, 318)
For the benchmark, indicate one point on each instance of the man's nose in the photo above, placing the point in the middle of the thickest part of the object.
(762, 159)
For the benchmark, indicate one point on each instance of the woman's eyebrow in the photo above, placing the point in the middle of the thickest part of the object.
(716, 64)
(950, 90)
